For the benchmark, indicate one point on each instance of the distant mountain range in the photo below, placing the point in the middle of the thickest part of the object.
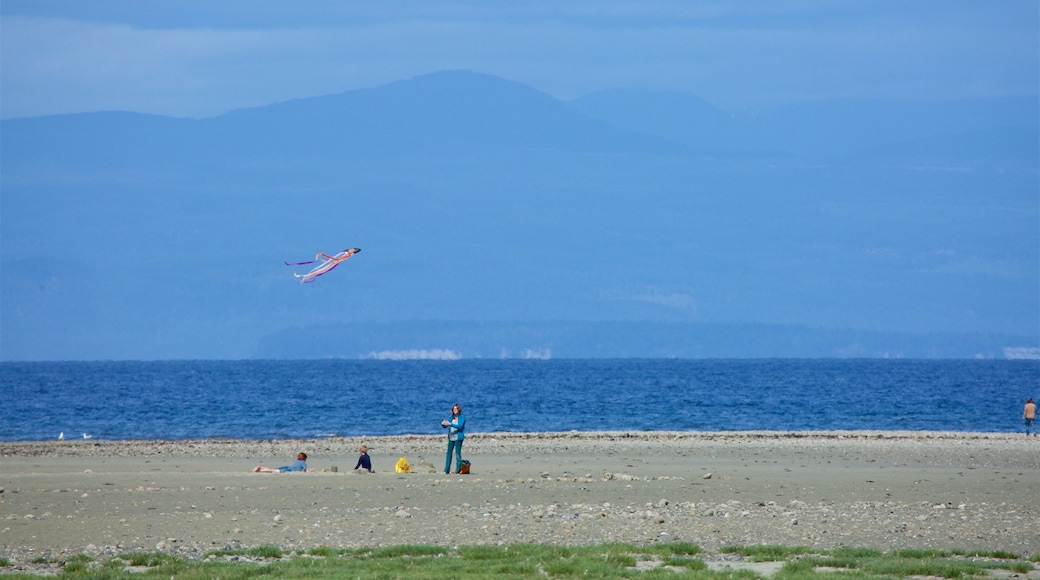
(488, 212)
(962, 130)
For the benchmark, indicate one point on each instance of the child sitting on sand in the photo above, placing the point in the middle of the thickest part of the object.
(363, 462)
(300, 465)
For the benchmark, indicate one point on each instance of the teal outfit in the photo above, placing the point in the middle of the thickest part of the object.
(456, 433)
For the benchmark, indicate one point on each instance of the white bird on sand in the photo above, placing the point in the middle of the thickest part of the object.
(61, 436)
(86, 436)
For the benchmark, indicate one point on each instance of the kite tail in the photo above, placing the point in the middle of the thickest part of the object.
(299, 263)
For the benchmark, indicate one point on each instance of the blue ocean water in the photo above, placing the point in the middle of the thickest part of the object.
(304, 399)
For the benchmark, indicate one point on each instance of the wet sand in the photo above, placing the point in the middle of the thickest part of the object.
(885, 490)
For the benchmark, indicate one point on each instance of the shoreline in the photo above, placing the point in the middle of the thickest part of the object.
(875, 489)
(73, 447)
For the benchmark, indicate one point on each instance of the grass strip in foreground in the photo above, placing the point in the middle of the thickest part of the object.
(677, 560)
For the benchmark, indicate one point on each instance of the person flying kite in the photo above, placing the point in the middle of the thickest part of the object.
(327, 264)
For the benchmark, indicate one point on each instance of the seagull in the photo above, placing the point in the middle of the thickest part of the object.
(86, 436)
(61, 436)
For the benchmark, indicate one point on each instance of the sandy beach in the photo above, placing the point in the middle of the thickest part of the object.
(886, 490)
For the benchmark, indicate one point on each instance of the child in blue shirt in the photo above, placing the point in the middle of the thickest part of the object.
(363, 462)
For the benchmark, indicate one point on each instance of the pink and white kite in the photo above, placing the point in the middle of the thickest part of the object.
(327, 264)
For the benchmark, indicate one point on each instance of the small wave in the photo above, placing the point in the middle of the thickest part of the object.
(1022, 353)
(415, 354)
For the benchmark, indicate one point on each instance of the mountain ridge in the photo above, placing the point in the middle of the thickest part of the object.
(129, 235)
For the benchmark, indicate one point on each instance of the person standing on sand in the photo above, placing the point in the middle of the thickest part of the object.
(456, 433)
(1029, 417)
(300, 465)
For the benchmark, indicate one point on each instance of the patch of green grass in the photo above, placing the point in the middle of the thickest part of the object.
(1021, 567)
(532, 552)
(488, 552)
(77, 563)
(921, 554)
(845, 559)
(148, 559)
(1011, 565)
(901, 567)
(620, 560)
(799, 569)
(673, 548)
(606, 561)
(548, 551)
(565, 567)
(515, 569)
(674, 561)
(767, 553)
(74, 567)
(619, 548)
(845, 562)
(116, 563)
(854, 553)
(4, 562)
(267, 551)
(413, 550)
(323, 552)
(693, 564)
(80, 558)
(1014, 566)
(902, 563)
(222, 552)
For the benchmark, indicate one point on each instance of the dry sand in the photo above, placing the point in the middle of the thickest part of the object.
(885, 490)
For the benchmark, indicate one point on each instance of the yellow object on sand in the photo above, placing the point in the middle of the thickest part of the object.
(403, 466)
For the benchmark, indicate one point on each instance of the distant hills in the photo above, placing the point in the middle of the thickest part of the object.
(496, 220)
(991, 129)
(439, 113)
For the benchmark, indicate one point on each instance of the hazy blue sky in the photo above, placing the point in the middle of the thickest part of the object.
(200, 58)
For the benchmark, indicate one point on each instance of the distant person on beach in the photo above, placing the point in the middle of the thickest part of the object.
(456, 427)
(1029, 417)
(300, 465)
(364, 462)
